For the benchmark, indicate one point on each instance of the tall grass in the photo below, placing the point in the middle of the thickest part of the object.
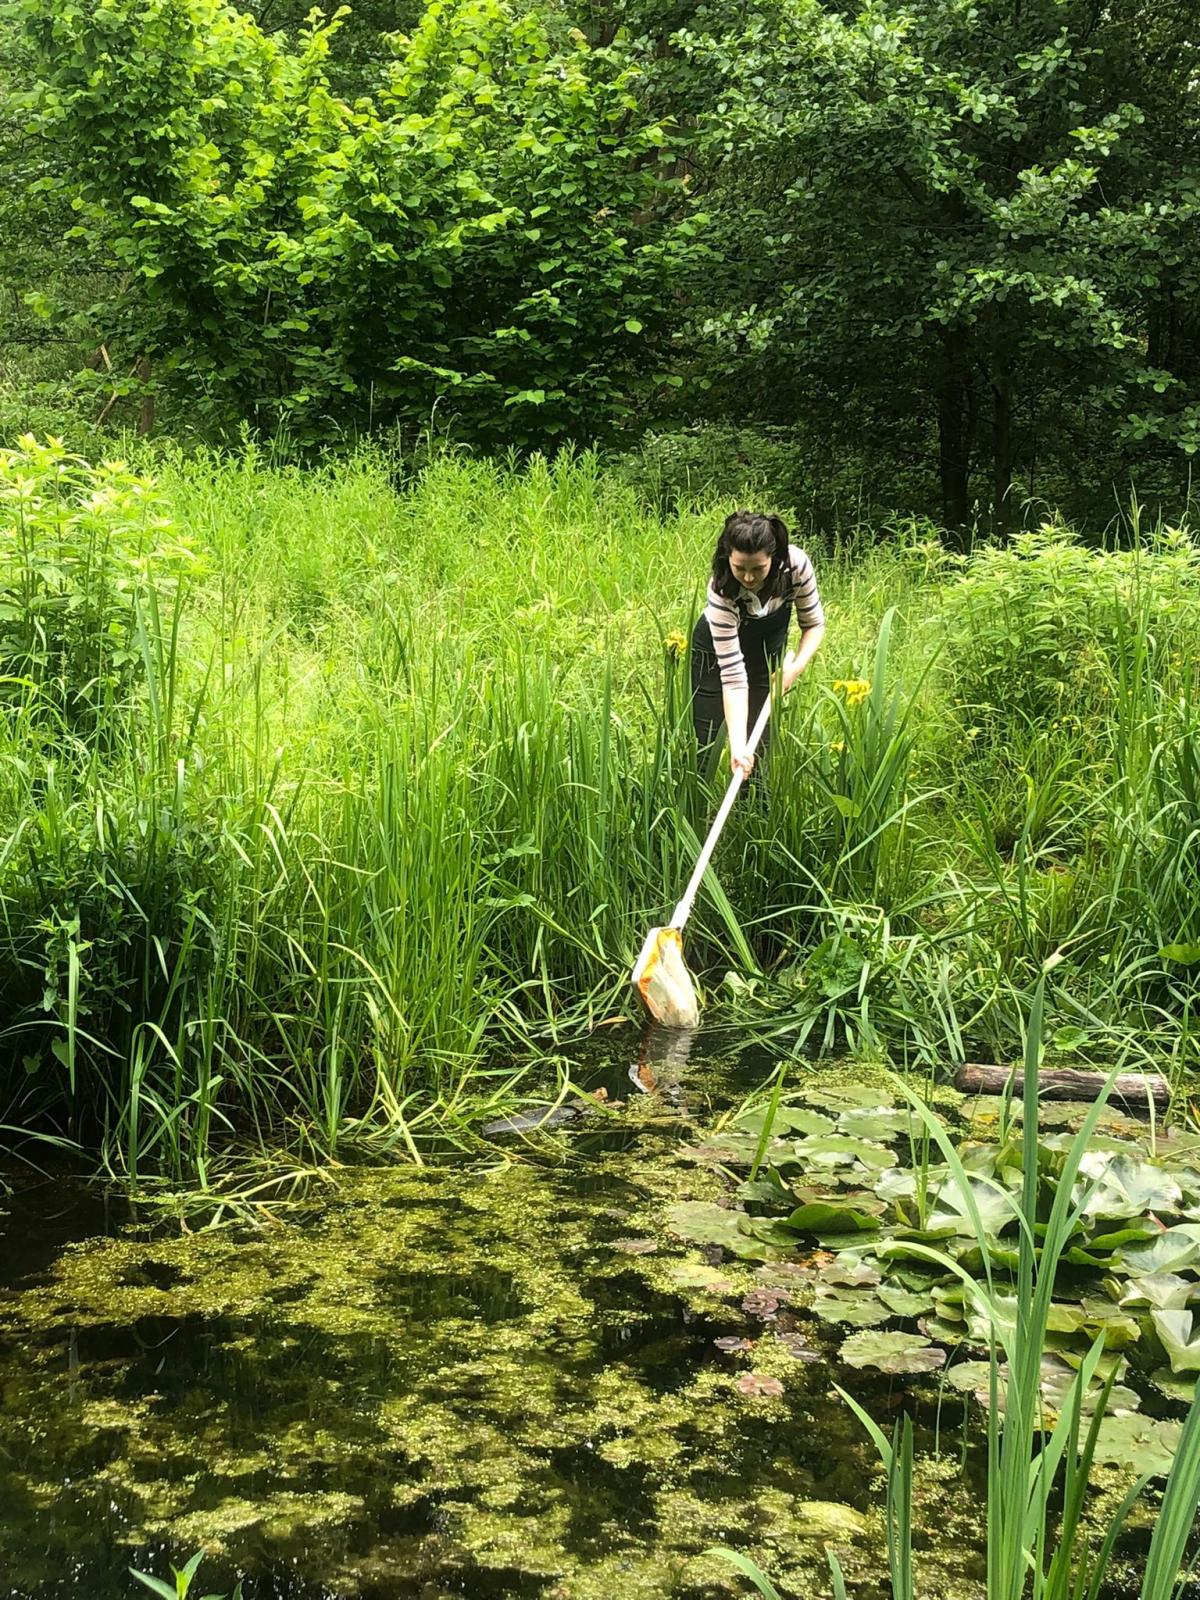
(397, 769)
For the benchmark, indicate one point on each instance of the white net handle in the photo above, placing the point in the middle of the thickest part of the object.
(684, 908)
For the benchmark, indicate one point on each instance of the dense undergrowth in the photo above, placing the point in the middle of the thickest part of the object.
(322, 790)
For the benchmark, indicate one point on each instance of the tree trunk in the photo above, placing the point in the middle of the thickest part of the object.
(953, 433)
(1002, 449)
(146, 414)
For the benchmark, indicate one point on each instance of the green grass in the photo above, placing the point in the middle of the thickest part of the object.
(393, 784)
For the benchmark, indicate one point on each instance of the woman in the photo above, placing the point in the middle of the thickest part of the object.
(758, 578)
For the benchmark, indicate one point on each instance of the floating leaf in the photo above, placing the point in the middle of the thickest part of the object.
(707, 1223)
(891, 1352)
(1180, 1339)
(883, 1123)
(839, 1150)
(788, 1119)
(852, 1272)
(1127, 1437)
(857, 1307)
(837, 1097)
(904, 1302)
(731, 1345)
(996, 1208)
(1173, 1248)
(834, 1216)
(1127, 1185)
(698, 1275)
(798, 1348)
(1164, 1291)
(758, 1386)
(635, 1247)
(1177, 1386)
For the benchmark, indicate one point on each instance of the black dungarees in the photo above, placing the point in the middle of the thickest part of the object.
(763, 641)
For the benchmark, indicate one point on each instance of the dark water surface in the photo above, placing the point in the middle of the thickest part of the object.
(496, 1377)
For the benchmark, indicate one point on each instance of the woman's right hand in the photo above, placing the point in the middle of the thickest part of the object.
(741, 762)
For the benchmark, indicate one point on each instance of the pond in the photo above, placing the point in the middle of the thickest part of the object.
(488, 1377)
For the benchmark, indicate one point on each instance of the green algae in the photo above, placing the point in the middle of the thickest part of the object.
(445, 1381)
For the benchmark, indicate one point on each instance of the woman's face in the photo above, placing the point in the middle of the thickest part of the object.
(750, 571)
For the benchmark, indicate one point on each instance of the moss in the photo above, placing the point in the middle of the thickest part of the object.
(439, 1374)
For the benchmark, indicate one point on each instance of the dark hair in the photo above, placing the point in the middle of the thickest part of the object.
(752, 535)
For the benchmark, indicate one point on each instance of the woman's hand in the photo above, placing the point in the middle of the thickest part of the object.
(793, 666)
(741, 761)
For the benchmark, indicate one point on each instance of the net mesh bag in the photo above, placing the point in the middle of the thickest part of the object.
(662, 979)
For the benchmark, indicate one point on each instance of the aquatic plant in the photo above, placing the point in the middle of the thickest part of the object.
(391, 786)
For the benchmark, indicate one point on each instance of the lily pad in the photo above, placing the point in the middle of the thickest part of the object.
(1173, 1248)
(759, 1386)
(1126, 1186)
(1128, 1437)
(1179, 1386)
(703, 1222)
(836, 1216)
(837, 1097)
(1180, 1338)
(952, 1208)
(699, 1275)
(857, 1307)
(1161, 1291)
(891, 1352)
(839, 1150)
(852, 1272)
(904, 1302)
(883, 1123)
(787, 1119)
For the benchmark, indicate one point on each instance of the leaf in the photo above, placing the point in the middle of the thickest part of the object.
(1173, 1248)
(1164, 1291)
(839, 1150)
(787, 1119)
(731, 1345)
(156, 1585)
(632, 325)
(833, 1216)
(635, 1247)
(1127, 1438)
(856, 1307)
(1186, 955)
(851, 1272)
(904, 1302)
(1180, 1339)
(891, 1352)
(699, 1275)
(883, 1123)
(1127, 1185)
(706, 1223)
(996, 1206)
(759, 1386)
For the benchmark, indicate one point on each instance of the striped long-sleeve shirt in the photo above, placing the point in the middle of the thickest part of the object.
(724, 616)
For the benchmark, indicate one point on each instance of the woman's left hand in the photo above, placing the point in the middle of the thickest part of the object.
(792, 668)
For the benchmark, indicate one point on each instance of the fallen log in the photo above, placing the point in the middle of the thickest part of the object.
(1134, 1090)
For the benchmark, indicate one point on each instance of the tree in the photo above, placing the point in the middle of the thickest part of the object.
(976, 209)
(480, 234)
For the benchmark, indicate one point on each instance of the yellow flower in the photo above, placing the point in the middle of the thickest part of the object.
(855, 690)
(837, 746)
(676, 644)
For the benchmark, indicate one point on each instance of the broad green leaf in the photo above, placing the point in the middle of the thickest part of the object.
(891, 1352)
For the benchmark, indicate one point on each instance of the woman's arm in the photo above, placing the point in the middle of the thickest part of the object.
(735, 698)
(796, 660)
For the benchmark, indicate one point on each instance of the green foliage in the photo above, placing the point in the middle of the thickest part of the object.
(958, 221)
(470, 238)
(87, 557)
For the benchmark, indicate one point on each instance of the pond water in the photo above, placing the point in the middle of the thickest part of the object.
(491, 1377)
